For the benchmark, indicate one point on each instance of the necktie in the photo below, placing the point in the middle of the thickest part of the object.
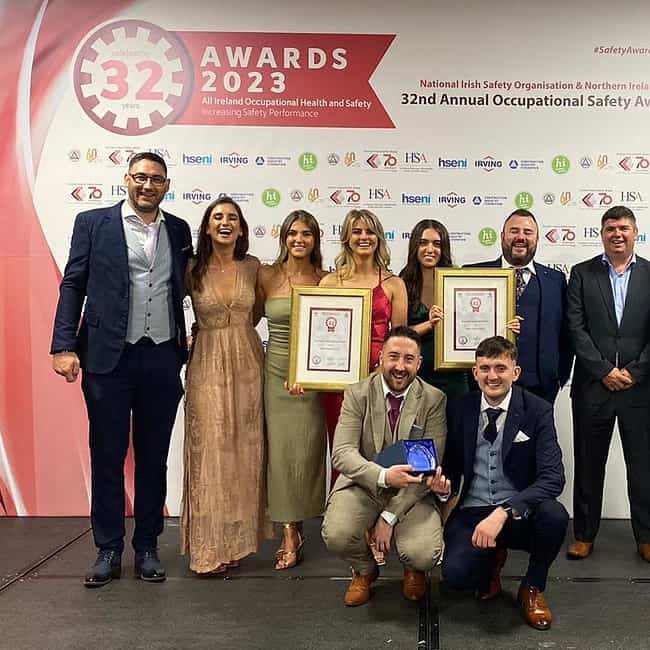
(393, 413)
(490, 431)
(519, 282)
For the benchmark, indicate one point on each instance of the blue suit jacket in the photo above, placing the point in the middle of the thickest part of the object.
(534, 466)
(554, 351)
(97, 272)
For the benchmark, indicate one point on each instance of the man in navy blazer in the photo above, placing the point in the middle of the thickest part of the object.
(505, 467)
(126, 273)
(545, 354)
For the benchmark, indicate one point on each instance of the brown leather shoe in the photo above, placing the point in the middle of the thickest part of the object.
(534, 608)
(644, 551)
(579, 550)
(358, 592)
(414, 585)
(494, 587)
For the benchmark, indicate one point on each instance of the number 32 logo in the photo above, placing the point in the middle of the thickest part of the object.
(132, 77)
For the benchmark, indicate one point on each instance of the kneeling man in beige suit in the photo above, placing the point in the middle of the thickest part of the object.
(392, 404)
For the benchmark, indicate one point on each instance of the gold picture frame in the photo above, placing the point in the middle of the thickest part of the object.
(329, 346)
(477, 302)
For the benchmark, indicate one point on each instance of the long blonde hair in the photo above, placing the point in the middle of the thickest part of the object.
(344, 261)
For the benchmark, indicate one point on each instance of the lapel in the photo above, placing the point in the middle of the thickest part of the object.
(377, 411)
(409, 410)
(542, 275)
(470, 431)
(116, 238)
(174, 237)
(602, 278)
(513, 420)
(635, 287)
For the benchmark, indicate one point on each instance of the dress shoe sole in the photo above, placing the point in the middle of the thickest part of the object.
(576, 556)
(151, 579)
(116, 574)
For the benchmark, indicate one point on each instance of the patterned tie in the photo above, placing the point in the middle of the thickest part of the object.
(490, 431)
(393, 414)
(519, 282)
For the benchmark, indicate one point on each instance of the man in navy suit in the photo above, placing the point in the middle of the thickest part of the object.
(505, 468)
(127, 264)
(609, 320)
(545, 354)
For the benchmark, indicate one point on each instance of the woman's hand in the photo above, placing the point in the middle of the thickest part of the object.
(435, 315)
(514, 325)
(294, 389)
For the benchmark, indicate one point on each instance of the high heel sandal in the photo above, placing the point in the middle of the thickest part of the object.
(288, 559)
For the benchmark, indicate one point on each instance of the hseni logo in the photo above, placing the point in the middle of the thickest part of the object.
(416, 199)
(560, 164)
(307, 161)
(524, 200)
(487, 236)
(191, 159)
(452, 163)
(271, 197)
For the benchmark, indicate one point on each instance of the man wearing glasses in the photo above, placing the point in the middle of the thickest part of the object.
(127, 262)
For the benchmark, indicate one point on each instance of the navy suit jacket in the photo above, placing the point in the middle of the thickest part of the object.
(97, 272)
(554, 351)
(534, 466)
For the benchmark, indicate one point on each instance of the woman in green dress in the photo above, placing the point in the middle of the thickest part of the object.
(429, 247)
(295, 424)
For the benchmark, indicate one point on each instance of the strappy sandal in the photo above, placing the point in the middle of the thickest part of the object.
(289, 559)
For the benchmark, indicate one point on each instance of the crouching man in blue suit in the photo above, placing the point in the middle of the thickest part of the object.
(505, 466)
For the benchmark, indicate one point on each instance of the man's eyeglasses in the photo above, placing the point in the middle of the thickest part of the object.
(141, 179)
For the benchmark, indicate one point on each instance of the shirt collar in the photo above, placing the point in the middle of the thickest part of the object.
(506, 265)
(505, 402)
(388, 390)
(631, 263)
(127, 211)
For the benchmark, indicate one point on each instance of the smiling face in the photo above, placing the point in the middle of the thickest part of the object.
(300, 240)
(399, 362)
(429, 248)
(224, 225)
(147, 196)
(519, 240)
(495, 376)
(363, 239)
(618, 237)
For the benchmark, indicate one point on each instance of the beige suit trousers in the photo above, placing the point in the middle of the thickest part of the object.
(352, 511)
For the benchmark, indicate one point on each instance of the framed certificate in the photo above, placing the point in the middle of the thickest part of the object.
(330, 337)
(477, 303)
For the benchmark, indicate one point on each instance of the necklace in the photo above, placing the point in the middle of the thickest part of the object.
(221, 269)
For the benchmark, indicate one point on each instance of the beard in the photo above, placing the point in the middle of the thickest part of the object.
(519, 259)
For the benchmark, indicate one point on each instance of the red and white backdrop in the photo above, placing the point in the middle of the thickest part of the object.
(455, 113)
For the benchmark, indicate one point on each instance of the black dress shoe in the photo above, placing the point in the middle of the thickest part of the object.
(148, 567)
(108, 565)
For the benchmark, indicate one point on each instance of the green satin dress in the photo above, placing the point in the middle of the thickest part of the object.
(296, 430)
(451, 382)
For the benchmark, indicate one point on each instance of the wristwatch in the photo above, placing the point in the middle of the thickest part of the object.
(511, 512)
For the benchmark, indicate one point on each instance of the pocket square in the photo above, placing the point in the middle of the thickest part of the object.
(521, 437)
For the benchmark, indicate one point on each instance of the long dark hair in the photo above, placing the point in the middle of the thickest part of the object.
(204, 243)
(412, 272)
(315, 257)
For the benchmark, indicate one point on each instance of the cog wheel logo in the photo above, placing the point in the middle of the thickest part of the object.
(132, 78)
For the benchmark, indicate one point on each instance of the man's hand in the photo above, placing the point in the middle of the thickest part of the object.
(398, 476)
(617, 380)
(628, 376)
(382, 534)
(439, 484)
(66, 364)
(486, 531)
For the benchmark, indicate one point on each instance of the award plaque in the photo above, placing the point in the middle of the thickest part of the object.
(477, 304)
(330, 337)
(419, 453)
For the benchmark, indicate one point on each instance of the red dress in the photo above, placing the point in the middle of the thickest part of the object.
(379, 326)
